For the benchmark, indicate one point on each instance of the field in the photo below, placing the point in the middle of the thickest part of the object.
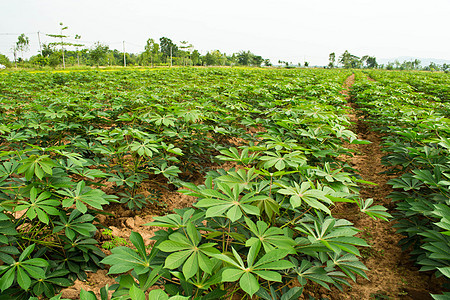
(207, 183)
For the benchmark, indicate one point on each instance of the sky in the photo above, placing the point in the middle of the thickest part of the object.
(288, 30)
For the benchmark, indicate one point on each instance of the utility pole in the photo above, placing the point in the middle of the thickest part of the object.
(62, 44)
(124, 57)
(15, 56)
(39, 39)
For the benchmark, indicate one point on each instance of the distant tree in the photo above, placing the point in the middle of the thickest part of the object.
(267, 62)
(349, 60)
(243, 58)
(47, 50)
(168, 48)
(416, 64)
(257, 60)
(4, 60)
(370, 61)
(445, 68)
(185, 52)
(98, 52)
(77, 37)
(195, 57)
(306, 64)
(212, 58)
(332, 60)
(23, 43)
(152, 49)
(434, 67)
(63, 43)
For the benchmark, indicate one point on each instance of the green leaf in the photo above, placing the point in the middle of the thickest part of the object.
(249, 283)
(136, 293)
(231, 274)
(84, 295)
(7, 279)
(157, 295)
(23, 279)
(175, 260)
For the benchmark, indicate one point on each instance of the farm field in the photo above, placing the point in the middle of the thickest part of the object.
(208, 183)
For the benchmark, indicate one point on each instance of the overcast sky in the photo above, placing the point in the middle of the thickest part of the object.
(290, 30)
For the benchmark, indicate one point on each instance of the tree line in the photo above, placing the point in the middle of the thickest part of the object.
(350, 61)
(61, 52)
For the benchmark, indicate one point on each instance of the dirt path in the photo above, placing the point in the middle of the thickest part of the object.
(391, 275)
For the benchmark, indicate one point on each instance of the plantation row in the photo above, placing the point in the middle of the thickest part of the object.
(434, 84)
(257, 228)
(417, 131)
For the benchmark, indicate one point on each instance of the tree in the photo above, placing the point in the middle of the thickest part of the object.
(98, 52)
(267, 62)
(349, 60)
(23, 43)
(151, 50)
(257, 60)
(168, 48)
(306, 64)
(416, 64)
(61, 42)
(445, 68)
(434, 67)
(4, 60)
(195, 57)
(47, 50)
(370, 61)
(77, 37)
(332, 60)
(186, 50)
(243, 58)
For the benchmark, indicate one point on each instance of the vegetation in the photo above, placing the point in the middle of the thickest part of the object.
(416, 128)
(257, 227)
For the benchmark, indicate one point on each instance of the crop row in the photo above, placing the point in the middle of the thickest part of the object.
(256, 228)
(433, 84)
(416, 140)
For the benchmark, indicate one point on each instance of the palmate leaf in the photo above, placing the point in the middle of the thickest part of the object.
(178, 220)
(228, 202)
(306, 271)
(376, 211)
(232, 154)
(40, 206)
(124, 259)
(76, 223)
(264, 268)
(336, 234)
(244, 178)
(38, 165)
(47, 284)
(82, 196)
(185, 250)
(282, 161)
(269, 237)
(145, 148)
(22, 270)
(349, 264)
(305, 192)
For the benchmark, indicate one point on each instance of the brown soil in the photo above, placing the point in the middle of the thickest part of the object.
(391, 275)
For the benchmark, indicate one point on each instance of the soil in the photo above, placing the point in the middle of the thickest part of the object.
(391, 275)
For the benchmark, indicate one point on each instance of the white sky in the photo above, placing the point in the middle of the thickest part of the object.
(280, 29)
